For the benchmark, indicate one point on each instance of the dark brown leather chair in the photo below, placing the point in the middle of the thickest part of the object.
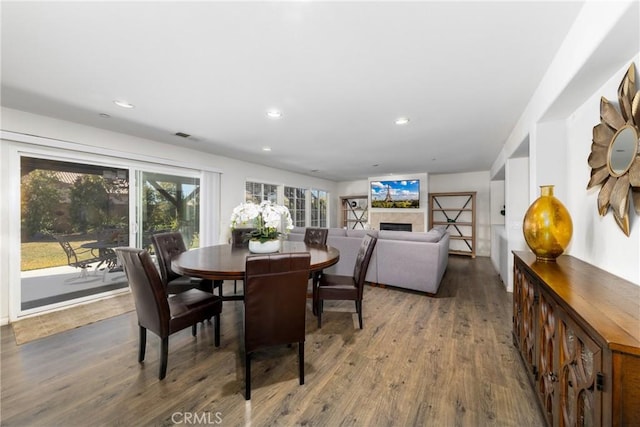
(316, 236)
(240, 239)
(161, 315)
(275, 298)
(167, 245)
(337, 287)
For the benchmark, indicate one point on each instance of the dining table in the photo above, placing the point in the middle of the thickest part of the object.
(227, 261)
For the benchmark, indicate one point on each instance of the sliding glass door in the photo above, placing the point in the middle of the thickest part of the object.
(74, 213)
(72, 216)
(168, 202)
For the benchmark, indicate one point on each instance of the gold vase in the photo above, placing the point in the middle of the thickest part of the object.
(547, 226)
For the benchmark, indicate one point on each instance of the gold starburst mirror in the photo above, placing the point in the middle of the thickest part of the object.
(615, 153)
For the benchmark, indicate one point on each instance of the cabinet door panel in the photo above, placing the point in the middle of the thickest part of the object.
(577, 328)
(524, 320)
(580, 363)
(547, 345)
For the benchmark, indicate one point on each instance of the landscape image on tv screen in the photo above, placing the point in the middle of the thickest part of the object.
(395, 194)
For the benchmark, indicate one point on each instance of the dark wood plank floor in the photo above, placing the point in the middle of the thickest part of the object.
(420, 361)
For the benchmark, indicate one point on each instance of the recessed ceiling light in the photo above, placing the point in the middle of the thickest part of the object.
(274, 114)
(266, 148)
(402, 120)
(123, 104)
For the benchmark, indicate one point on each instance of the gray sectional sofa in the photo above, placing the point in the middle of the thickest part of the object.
(404, 259)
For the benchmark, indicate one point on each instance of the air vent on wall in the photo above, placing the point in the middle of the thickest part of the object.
(182, 134)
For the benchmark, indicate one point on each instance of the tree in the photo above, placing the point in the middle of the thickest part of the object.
(89, 202)
(40, 197)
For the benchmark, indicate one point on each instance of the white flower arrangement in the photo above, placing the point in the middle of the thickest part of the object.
(266, 217)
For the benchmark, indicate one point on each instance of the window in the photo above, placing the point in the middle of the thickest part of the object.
(258, 192)
(294, 200)
(319, 208)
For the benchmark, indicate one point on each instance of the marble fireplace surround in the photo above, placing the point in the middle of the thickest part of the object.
(416, 219)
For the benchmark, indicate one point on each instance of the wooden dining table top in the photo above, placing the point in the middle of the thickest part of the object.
(227, 262)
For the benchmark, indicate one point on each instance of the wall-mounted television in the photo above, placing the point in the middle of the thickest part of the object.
(403, 193)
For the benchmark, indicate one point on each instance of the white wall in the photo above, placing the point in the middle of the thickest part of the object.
(353, 188)
(558, 122)
(597, 240)
(497, 202)
(232, 182)
(471, 181)
(498, 234)
(517, 200)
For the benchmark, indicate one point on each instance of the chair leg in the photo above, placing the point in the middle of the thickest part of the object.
(216, 334)
(164, 354)
(359, 310)
(247, 376)
(301, 361)
(219, 283)
(194, 329)
(314, 292)
(319, 313)
(235, 287)
(143, 343)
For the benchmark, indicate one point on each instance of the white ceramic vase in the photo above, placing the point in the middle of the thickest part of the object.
(270, 246)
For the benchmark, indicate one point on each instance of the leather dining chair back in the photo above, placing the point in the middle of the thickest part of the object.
(338, 287)
(166, 246)
(316, 236)
(275, 305)
(239, 237)
(161, 315)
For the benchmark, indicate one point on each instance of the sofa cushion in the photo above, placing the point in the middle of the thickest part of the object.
(337, 232)
(409, 236)
(438, 232)
(361, 233)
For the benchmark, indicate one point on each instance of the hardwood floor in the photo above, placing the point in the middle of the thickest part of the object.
(419, 361)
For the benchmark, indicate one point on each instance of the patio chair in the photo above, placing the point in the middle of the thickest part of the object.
(78, 257)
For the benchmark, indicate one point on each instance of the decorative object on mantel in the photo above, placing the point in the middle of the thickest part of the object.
(547, 226)
(268, 219)
(615, 153)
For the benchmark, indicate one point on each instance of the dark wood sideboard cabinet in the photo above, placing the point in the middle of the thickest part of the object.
(577, 328)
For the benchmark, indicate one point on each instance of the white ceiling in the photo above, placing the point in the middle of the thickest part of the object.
(340, 72)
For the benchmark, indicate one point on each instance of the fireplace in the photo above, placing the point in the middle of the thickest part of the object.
(396, 226)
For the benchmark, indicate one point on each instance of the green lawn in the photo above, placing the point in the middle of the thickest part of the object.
(36, 255)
